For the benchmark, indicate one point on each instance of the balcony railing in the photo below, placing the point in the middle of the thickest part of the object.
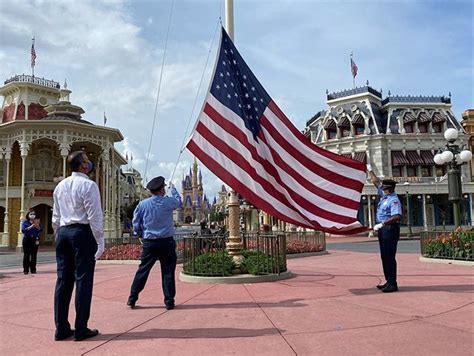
(25, 78)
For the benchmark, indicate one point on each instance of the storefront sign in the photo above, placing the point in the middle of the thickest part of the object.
(406, 179)
(43, 193)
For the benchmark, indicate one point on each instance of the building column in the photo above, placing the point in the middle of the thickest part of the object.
(369, 210)
(106, 205)
(6, 228)
(24, 153)
(425, 215)
(471, 198)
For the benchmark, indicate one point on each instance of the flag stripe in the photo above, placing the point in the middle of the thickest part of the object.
(254, 169)
(327, 201)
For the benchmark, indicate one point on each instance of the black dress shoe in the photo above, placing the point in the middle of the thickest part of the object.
(131, 304)
(390, 288)
(169, 306)
(87, 335)
(382, 286)
(25, 272)
(63, 336)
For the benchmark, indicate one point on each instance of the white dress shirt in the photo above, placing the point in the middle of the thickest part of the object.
(77, 201)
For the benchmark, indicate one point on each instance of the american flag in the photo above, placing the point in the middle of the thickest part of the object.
(245, 139)
(33, 53)
(353, 68)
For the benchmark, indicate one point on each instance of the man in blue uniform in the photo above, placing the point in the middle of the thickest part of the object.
(153, 222)
(389, 214)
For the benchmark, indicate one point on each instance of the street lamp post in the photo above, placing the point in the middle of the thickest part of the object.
(454, 158)
(410, 232)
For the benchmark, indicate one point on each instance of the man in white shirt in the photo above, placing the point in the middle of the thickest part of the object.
(78, 228)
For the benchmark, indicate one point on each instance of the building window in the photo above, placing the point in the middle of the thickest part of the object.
(411, 171)
(440, 171)
(438, 127)
(426, 171)
(331, 134)
(359, 130)
(397, 171)
(345, 132)
(423, 127)
(409, 127)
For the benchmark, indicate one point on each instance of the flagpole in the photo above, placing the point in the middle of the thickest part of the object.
(234, 246)
(31, 54)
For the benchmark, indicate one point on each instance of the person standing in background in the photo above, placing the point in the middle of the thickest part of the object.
(31, 229)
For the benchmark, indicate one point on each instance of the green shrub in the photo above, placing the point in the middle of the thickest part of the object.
(257, 262)
(210, 264)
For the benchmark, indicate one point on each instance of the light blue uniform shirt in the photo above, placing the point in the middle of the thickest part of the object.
(389, 205)
(153, 217)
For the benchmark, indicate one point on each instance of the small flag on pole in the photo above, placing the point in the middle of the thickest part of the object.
(105, 119)
(354, 68)
(126, 157)
(33, 56)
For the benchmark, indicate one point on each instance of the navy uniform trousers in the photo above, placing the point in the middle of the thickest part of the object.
(388, 239)
(163, 249)
(75, 251)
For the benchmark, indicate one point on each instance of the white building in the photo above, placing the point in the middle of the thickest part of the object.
(398, 136)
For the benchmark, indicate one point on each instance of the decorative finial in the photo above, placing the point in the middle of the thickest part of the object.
(449, 94)
(327, 92)
(367, 82)
(381, 91)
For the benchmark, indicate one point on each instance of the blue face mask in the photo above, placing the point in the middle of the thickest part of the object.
(90, 166)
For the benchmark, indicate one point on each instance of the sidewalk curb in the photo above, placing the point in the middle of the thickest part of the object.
(446, 262)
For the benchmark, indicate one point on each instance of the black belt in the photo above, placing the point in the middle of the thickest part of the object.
(158, 238)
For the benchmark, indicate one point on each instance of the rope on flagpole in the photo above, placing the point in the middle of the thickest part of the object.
(157, 96)
(195, 99)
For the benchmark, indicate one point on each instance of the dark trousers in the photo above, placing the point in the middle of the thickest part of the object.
(30, 251)
(165, 250)
(75, 250)
(388, 240)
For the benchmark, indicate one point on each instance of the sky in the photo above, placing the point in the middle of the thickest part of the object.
(112, 54)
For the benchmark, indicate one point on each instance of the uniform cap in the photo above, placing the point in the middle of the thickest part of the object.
(156, 183)
(388, 183)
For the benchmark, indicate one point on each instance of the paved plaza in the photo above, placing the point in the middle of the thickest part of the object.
(329, 307)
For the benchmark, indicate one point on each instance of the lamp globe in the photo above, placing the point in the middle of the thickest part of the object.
(451, 134)
(465, 155)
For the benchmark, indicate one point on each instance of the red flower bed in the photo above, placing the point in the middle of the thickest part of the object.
(129, 251)
(298, 246)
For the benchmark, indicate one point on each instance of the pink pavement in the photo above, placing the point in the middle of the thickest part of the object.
(329, 307)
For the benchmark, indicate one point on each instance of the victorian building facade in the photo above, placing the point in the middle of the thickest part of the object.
(398, 136)
(39, 127)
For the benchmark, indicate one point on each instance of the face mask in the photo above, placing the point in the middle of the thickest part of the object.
(90, 166)
(32, 216)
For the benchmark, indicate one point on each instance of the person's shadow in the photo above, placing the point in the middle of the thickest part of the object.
(453, 288)
(193, 333)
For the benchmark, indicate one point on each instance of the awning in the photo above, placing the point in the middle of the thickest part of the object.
(358, 119)
(344, 122)
(330, 124)
(361, 157)
(424, 117)
(408, 117)
(428, 157)
(438, 117)
(414, 158)
(398, 159)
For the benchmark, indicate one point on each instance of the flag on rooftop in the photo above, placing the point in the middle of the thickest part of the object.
(354, 68)
(245, 139)
(105, 119)
(33, 53)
